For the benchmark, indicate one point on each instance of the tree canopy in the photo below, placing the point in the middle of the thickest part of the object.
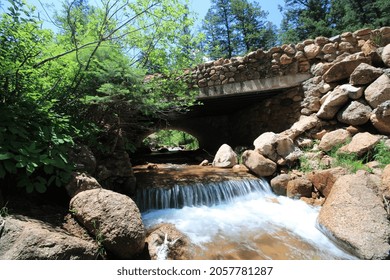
(303, 19)
(234, 27)
(59, 88)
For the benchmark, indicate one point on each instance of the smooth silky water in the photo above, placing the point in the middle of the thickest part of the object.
(239, 219)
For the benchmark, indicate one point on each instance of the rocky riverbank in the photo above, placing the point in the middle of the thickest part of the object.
(334, 156)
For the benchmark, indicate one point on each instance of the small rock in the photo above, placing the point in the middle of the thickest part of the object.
(81, 182)
(178, 245)
(299, 187)
(380, 117)
(356, 113)
(264, 145)
(378, 92)
(225, 157)
(353, 92)
(364, 74)
(333, 138)
(285, 59)
(312, 50)
(323, 180)
(333, 102)
(279, 184)
(361, 143)
(386, 55)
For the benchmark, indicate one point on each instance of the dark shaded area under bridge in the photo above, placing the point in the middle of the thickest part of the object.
(237, 113)
(233, 119)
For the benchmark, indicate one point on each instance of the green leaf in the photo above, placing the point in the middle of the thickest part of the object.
(6, 156)
(31, 166)
(20, 165)
(41, 188)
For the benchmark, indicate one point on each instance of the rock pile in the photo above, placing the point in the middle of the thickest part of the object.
(346, 108)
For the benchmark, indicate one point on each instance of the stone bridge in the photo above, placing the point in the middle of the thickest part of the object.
(264, 90)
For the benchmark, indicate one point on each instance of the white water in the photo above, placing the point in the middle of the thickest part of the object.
(199, 194)
(247, 219)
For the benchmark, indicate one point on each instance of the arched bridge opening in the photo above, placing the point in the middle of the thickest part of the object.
(235, 119)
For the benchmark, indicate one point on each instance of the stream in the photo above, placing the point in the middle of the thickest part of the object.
(232, 215)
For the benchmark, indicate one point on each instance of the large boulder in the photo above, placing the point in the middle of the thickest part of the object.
(378, 92)
(361, 143)
(354, 215)
(165, 241)
(279, 184)
(333, 102)
(258, 164)
(23, 238)
(343, 69)
(81, 182)
(112, 216)
(333, 138)
(323, 180)
(225, 157)
(364, 74)
(380, 117)
(356, 113)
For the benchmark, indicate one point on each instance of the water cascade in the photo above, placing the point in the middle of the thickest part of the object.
(238, 219)
(199, 194)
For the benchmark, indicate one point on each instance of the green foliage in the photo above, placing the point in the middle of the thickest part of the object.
(382, 153)
(305, 165)
(99, 238)
(303, 19)
(171, 138)
(83, 82)
(233, 27)
(33, 147)
(350, 161)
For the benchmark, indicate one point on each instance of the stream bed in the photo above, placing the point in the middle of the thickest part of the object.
(233, 216)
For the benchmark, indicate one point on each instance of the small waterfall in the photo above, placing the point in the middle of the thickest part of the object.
(199, 194)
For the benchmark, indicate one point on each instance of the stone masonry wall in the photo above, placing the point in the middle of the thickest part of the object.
(286, 59)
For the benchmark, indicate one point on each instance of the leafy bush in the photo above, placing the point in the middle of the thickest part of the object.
(33, 147)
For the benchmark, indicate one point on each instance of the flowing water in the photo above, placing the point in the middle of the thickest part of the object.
(239, 219)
